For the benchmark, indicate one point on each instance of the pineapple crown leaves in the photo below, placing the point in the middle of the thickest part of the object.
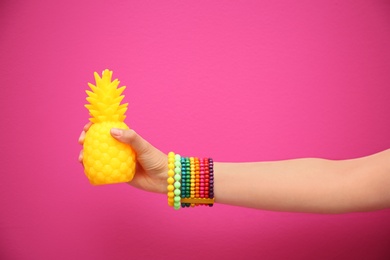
(105, 99)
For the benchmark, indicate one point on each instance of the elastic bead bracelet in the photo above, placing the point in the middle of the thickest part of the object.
(183, 177)
(177, 183)
(211, 185)
(197, 176)
(188, 181)
(201, 178)
(206, 178)
(192, 177)
(171, 180)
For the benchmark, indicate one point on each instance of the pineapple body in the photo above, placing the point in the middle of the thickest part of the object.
(105, 159)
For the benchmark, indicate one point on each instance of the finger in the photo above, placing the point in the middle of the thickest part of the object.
(82, 137)
(131, 138)
(81, 156)
(87, 126)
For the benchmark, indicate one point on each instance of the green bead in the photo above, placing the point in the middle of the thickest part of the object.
(177, 192)
(176, 199)
(177, 170)
(177, 177)
(176, 205)
(177, 157)
(177, 185)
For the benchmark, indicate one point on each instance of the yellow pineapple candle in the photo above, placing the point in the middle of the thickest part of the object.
(105, 159)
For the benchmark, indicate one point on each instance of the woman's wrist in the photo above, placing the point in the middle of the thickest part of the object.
(163, 175)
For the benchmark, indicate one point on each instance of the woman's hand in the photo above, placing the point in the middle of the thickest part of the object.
(152, 164)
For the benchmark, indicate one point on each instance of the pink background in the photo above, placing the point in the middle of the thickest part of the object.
(234, 80)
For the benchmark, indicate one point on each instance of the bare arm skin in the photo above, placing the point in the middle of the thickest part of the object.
(307, 185)
(301, 185)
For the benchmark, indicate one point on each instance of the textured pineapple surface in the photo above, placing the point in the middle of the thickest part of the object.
(105, 159)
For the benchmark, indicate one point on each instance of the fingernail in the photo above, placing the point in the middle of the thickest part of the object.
(116, 132)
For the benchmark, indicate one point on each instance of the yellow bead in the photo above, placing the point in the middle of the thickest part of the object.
(171, 154)
(170, 188)
(170, 180)
(171, 194)
(171, 173)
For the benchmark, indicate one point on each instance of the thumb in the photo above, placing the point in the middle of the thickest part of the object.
(131, 138)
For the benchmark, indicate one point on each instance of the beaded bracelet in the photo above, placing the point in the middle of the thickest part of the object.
(170, 180)
(177, 184)
(211, 179)
(185, 180)
(190, 181)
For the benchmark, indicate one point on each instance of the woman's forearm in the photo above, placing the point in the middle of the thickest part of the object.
(306, 185)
